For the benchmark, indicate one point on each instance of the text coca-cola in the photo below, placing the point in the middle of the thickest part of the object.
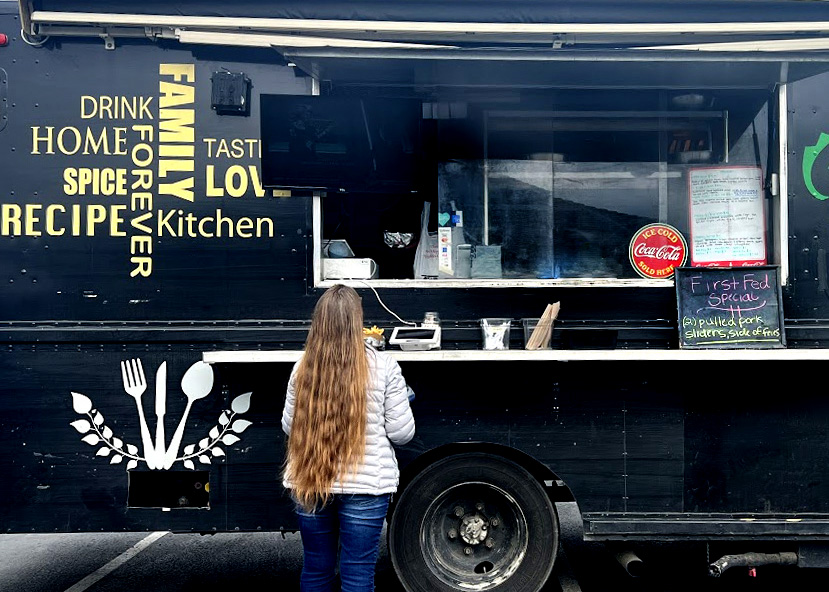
(664, 252)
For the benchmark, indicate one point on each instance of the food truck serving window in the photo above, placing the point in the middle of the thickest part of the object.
(524, 186)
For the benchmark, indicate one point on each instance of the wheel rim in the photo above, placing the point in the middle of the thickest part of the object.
(474, 535)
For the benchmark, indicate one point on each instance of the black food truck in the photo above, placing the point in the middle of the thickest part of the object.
(593, 233)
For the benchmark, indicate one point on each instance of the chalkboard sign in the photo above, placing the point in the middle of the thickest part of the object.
(729, 308)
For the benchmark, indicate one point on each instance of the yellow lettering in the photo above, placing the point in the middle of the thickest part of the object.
(76, 220)
(143, 266)
(115, 221)
(237, 148)
(243, 227)
(145, 108)
(175, 125)
(51, 229)
(105, 106)
(260, 222)
(177, 150)
(212, 190)
(32, 219)
(90, 142)
(222, 149)
(117, 107)
(258, 190)
(164, 223)
(236, 181)
(174, 95)
(143, 179)
(84, 181)
(220, 220)
(169, 166)
(142, 149)
(141, 201)
(36, 139)
(95, 214)
(178, 71)
(141, 244)
(182, 189)
(202, 231)
(120, 141)
(76, 134)
(70, 187)
(138, 222)
(93, 108)
(11, 219)
(145, 132)
(128, 107)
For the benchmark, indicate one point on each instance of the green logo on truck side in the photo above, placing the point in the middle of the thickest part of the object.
(810, 155)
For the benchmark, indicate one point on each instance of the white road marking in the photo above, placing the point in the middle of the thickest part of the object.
(117, 562)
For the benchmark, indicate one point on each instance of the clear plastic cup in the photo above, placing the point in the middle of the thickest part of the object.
(544, 338)
(495, 333)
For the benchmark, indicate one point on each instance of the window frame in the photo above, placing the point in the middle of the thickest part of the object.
(778, 210)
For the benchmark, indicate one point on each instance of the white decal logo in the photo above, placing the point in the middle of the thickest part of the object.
(196, 384)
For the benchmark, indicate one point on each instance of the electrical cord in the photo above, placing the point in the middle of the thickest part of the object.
(33, 42)
(383, 304)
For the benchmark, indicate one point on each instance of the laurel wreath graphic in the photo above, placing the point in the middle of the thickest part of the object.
(97, 432)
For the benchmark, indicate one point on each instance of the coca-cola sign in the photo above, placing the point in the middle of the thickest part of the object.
(656, 250)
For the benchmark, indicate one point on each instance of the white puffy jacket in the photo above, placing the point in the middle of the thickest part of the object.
(388, 420)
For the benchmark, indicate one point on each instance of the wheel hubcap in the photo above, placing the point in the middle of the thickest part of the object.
(474, 533)
(473, 529)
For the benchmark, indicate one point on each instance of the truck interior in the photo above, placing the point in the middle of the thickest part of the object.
(558, 175)
(560, 180)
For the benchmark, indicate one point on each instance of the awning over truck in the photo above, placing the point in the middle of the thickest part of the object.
(639, 44)
(483, 11)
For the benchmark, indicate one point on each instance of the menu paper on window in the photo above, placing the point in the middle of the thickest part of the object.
(728, 227)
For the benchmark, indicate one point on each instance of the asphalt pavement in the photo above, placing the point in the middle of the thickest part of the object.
(167, 562)
(164, 562)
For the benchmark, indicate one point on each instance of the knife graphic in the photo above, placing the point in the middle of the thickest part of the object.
(160, 410)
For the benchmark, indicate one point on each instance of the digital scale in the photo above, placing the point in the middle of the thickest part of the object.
(416, 338)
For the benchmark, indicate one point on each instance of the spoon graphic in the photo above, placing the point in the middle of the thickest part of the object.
(196, 384)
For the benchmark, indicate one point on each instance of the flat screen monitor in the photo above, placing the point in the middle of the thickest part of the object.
(340, 144)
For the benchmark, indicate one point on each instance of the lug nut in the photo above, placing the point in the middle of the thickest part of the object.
(489, 544)
(467, 550)
(479, 506)
(453, 533)
(494, 522)
(458, 511)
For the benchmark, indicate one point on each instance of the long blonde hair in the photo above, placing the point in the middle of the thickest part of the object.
(328, 433)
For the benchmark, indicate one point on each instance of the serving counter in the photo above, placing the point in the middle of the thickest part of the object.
(552, 355)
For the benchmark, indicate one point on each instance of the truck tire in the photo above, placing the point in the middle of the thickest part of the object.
(473, 522)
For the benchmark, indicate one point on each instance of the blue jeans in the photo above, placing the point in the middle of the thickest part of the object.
(352, 524)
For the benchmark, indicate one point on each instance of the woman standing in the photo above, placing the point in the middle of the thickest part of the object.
(346, 405)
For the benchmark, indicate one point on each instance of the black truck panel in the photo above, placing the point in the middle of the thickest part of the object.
(92, 274)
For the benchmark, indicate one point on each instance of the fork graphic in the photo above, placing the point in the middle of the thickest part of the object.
(135, 384)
